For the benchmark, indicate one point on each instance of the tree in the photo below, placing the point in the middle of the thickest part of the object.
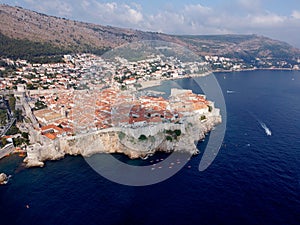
(13, 130)
(40, 105)
(25, 135)
(203, 117)
(12, 102)
(18, 115)
(3, 142)
(177, 132)
(142, 137)
(169, 138)
(3, 117)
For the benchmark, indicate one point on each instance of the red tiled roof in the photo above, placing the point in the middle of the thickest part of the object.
(51, 126)
(68, 130)
(155, 120)
(51, 136)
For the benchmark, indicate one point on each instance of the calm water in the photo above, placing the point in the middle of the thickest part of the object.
(255, 178)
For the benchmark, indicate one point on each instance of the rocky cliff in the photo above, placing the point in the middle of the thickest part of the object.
(133, 142)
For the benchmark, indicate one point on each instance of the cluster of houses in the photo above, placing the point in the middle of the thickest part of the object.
(90, 111)
(93, 71)
(101, 102)
(80, 69)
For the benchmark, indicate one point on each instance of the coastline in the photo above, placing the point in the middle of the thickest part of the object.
(150, 83)
(254, 69)
(154, 83)
(71, 183)
(137, 140)
(110, 141)
(37, 158)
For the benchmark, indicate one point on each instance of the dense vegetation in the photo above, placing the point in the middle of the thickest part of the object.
(143, 137)
(31, 51)
(39, 52)
(172, 134)
(40, 105)
(13, 130)
(12, 103)
(24, 139)
(3, 117)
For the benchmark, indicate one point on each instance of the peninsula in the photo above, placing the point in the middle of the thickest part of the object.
(124, 124)
(89, 104)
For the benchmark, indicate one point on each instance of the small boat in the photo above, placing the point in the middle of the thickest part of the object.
(145, 157)
(267, 130)
(230, 92)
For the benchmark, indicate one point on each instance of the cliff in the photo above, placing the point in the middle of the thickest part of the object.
(133, 142)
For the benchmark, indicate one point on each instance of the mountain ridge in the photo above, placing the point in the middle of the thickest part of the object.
(69, 36)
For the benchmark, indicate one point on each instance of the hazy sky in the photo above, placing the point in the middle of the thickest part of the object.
(279, 19)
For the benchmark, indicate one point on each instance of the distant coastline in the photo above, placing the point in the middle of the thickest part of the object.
(154, 83)
(254, 69)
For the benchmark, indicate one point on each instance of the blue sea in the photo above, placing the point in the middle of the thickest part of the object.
(255, 178)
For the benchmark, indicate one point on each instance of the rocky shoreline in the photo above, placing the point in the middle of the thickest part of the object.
(3, 178)
(165, 137)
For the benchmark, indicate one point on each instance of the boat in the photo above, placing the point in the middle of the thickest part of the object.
(230, 92)
(145, 157)
(267, 130)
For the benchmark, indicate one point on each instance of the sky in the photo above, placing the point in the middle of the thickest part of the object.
(278, 19)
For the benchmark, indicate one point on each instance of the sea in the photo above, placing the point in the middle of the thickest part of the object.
(254, 179)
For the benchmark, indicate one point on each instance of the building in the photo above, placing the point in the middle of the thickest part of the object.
(52, 131)
(47, 116)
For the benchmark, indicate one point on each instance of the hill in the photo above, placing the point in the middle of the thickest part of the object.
(33, 35)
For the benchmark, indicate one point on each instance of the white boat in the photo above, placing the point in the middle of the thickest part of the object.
(230, 92)
(267, 130)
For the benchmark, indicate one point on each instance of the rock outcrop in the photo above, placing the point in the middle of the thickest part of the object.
(133, 142)
(3, 178)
